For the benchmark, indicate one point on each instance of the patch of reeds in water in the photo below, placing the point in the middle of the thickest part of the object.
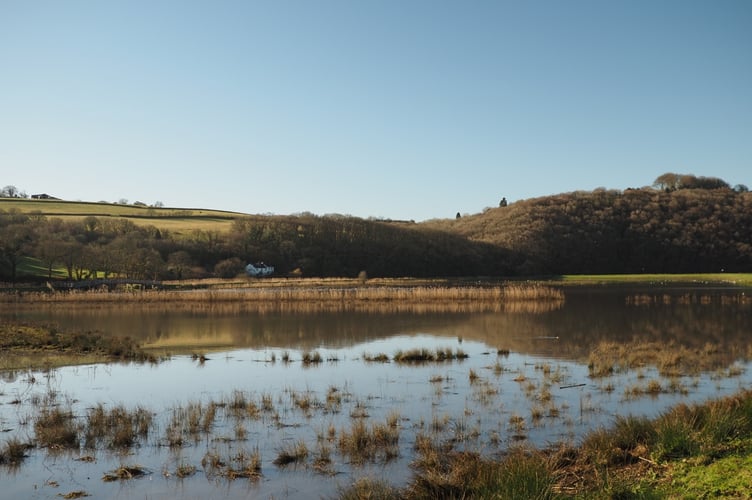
(423, 355)
(13, 452)
(365, 443)
(670, 359)
(125, 472)
(56, 428)
(292, 453)
(118, 427)
(243, 464)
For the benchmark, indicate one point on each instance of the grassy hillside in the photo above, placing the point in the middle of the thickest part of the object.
(178, 220)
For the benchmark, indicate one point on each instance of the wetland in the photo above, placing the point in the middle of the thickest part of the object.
(273, 399)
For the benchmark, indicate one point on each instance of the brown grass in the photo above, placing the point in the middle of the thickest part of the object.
(671, 359)
(13, 452)
(302, 293)
(296, 452)
(56, 428)
(364, 443)
(125, 472)
(28, 345)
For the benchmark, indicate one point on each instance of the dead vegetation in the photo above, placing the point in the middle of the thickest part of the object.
(27, 345)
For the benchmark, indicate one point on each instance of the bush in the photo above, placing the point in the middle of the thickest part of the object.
(229, 268)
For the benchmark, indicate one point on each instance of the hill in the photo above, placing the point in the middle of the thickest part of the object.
(178, 220)
(635, 231)
(82, 241)
(684, 227)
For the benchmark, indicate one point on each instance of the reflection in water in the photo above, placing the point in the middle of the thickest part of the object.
(570, 331)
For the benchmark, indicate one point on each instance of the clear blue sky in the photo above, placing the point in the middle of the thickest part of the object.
(402, 109)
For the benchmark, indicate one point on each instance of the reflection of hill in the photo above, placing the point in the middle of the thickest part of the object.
(587, 319)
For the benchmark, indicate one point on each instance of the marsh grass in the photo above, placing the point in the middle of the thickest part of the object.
(304, 290)
(670, 359)
(423, 355)
(366, 443)
(185, 470)
(74, 494)
(322, 462)
(291, 453)
(13, 452)
(520, 474)
(118, 427)
(29, 345)
(125, 472)
(243, 464)
(376, 358)
(310, 358)
(56, 428)
(369, 489)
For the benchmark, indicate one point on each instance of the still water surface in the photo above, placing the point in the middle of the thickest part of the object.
(540, 393)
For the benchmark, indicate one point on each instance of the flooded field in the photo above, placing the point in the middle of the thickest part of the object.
(279, 402)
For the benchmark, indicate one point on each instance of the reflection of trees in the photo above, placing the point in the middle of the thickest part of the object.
(571, 332)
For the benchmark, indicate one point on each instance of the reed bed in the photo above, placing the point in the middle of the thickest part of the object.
(325, 294)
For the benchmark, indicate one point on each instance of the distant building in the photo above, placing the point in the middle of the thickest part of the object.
(259, 270)
(43, 196)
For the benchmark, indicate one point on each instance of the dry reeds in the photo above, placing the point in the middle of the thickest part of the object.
(118, 428)
(423, 355)
(13, 452)
(478, 297)
(670, 359)
(363, 442)
(242, 465)
(293, 453)
(125, 472)
(56, 428)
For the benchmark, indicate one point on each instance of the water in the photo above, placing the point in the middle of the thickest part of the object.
(540, 393)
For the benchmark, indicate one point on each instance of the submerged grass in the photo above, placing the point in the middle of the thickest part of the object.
(125, 472)
(423, 355)
(27, 345)
(13, 452)
(671, 360)
(56, 428)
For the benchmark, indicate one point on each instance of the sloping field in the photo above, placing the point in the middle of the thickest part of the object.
(177, 220)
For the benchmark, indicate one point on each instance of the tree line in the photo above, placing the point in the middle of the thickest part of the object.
(307, 245)
(673, 227)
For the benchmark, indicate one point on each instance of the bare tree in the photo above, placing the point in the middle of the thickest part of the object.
(9, 191)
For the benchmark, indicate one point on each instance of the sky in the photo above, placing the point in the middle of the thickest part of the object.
(399, 109)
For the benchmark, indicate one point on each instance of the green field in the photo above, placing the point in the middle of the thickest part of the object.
(177, 220)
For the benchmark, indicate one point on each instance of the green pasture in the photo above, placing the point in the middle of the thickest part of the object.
(176, 220)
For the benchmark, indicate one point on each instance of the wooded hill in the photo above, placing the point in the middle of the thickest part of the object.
(635, 231)
(669, 230)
